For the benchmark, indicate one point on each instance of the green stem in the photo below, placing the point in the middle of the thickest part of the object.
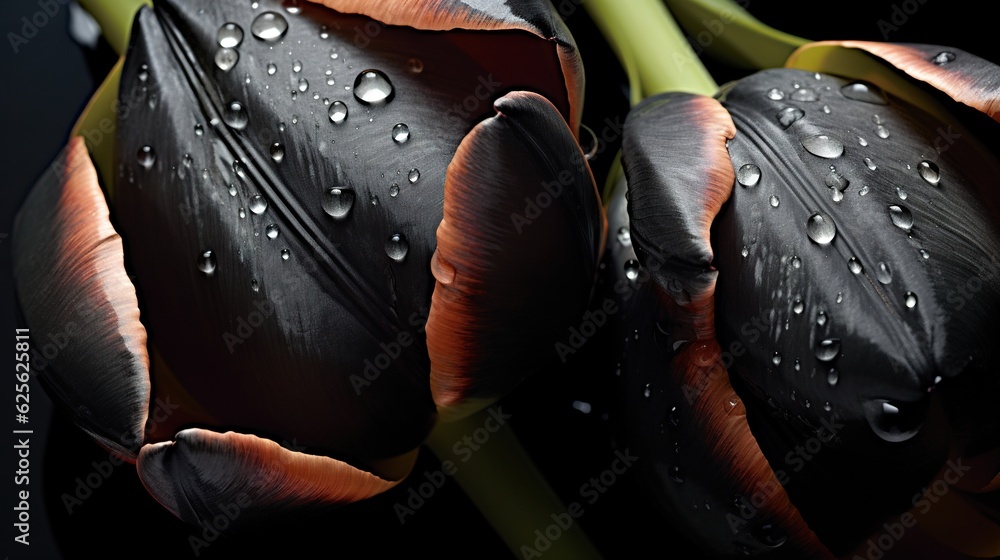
(507, 487)
(728, 32)
(115, 17)
(646, 36)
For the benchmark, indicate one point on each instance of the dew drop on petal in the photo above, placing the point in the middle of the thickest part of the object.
(943, 57)
(883, 273)
(774, 201)
(272, 231)
(258, 204)
(397, 247)
(269, 26)
(901, 217)
(235, 115)
(632, 269)
(865, 92)
(226, 59)
(870, 164)
(277, 152)
(824, 146)
(789, 115)
(272, 68)
(146, 156)
(882, 132)
(910, 299)
(930, 172)
(337, 112)
(400, 133)
(413, 176)
(828, 349)
(372, 87)
(893, 421)
(229, 35)
(207, 263)
(775, 94)
(748, 175)
(855, 266)
(624, 236)
(805, 94)
(821, 228)
(338, 202)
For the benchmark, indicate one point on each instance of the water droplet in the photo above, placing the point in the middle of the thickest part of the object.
(827, 406)
(206, 263)
(840, 297)
(146, 156)
(232, 189)
(258, 204)
(832, 377)
(745, 251)
(413, 176)
(254, 285)
(338, 112)
(943, 57)
(323, 33)
(243, 213)
(823, 146)
(925, 254)
(826, 109)
(864, 190)
(143, 74)
(894, 421)
(798, 307)
(774, 201)
(837, 195)
(646, 391)
(236, 116)
(285, 254)
(862, 141)
(776, 359)
(796, 262)
(805, 94)
(769, 535)
(837, 181)
(870, 164)
(229, 36)
(397, 247)
(415, 65)
(199, 130)
(226, 59)
(394, 190)
(338, 201)
(676, 474)
(239, 169)
(372, 87)
(632, 269)
(775, 94)
(862, 91)
(883, 273)
(624, 236)
(901, 217)
(187, 160)
(303, 85)
(882, 132)
(929, 171)
(400, 133)
(798, 365)
(277, 152)
(911, 300)
(291, 6)
(269, 26)
(828, 349)
(821, 228)
(748, 175)
(373, 200)
(855, 265)
(789, 115)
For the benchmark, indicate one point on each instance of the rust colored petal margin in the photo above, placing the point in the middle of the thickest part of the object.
(201, 475)
(963, 76)
(537, 17)
(518, 250)
(70, 276)
(679, 176)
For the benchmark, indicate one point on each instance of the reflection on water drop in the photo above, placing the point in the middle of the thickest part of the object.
(146, 156)
(632, 269)
(775, 94)
(277, 152)
(789, 115)
(415, 65)
(372, 87)
(930, 172)
(624, 236)
(413, 176)
(805, 94)
(272, 231)
(882, 132)
(226, 59)
(338, 202)
(337, 112)
(821, 228)
(236, 116)
(206, 263)
(397, 247)
(774, 201)
(400, 133)
(269, 26)
(828, 349)
(258, 204)
(901, 217)
(910, 299)
(862, 91)
(855, 265)
(748, 175)
(894, 421)
(823, 146)
(883, 273)
(229, 35)
(943, 57)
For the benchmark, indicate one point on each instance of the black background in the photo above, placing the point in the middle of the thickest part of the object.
(46, 85)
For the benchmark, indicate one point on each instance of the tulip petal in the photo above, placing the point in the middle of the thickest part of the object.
(964, 77)
(202, 474)
(82, 307)
(517, 251)
(689, 427)
(537, 17)
(676, 192)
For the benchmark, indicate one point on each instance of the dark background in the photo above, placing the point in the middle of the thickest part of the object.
(46, 85)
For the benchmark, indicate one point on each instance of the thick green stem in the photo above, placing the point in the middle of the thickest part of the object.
(646, 37)
(499, 477)
(725, 30)
(115, 17)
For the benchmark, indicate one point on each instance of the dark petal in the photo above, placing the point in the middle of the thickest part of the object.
(698, 458)
(678, 171)
(325, 345)
(80, 304)
(871, 342)
(964, 77)
(517, 252)
(537, 17)
(204, 474)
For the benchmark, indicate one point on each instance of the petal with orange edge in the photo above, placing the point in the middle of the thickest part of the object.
(202, 474)
(83, 312)
(517, 251)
